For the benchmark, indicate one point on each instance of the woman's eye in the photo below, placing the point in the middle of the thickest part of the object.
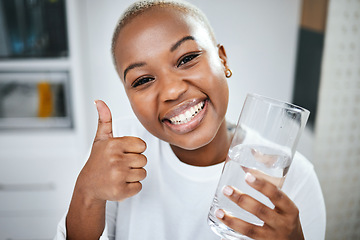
(187, 59)
(141, 81)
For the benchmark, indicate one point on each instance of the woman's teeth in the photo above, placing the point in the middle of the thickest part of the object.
(188, 115)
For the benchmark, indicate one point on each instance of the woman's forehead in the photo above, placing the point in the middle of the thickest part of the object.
(157, 28)
(157, 19)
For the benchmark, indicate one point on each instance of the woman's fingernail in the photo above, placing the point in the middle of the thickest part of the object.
(228, 191)
(250, 178)
(219, 213)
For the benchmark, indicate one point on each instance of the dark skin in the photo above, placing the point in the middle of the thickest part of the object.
(282, 222)
(113, 172)
(169, 61)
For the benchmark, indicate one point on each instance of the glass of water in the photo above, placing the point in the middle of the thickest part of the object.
(263, 144)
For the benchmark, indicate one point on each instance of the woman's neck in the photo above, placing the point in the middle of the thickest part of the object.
(210, 154)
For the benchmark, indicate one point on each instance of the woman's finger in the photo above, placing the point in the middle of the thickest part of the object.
(245, 228)
(251, 205)
(277, 197)
(136, 175)
(135, 160)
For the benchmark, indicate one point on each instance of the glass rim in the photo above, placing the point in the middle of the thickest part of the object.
(279, 103)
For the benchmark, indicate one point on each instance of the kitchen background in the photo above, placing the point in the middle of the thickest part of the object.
(55, 60)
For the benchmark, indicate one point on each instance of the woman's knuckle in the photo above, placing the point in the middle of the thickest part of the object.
(288, 228)
(260, 183)
(143, 173)
(278, 195)
(294, 219)
(296, 212)
(240, 198)
(229, 221)
(139, 187)
(136, 188)
(113, 159)
(261, 211)
(140, 160)
(275, 194)
(141, 145)
(250, 232)
(144, 159)
(119, 175)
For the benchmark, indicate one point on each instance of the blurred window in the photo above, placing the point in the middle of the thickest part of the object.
(33, 29)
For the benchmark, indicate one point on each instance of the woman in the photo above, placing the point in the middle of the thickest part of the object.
(175, 76)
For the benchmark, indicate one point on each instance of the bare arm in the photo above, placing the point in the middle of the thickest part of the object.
(85, 218)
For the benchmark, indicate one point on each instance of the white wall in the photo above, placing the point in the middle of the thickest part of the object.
(260, 38)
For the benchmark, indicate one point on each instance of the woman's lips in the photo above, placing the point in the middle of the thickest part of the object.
(188, 119)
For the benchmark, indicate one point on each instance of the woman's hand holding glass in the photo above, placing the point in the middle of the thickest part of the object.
(280, 223)
(249, 201)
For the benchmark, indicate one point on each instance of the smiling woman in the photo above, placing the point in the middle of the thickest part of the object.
(175, 76)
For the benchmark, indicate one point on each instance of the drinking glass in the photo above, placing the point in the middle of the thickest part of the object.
(263, 144)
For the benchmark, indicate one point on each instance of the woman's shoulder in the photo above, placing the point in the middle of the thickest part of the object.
(301, 175)
(301, 165)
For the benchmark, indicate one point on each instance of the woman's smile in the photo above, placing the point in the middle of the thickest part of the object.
(186, 117)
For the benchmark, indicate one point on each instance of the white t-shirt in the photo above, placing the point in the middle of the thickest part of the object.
(176, 197)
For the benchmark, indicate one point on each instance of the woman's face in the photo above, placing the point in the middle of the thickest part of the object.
(173, 76)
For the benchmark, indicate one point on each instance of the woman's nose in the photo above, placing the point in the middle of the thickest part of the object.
(172, 87)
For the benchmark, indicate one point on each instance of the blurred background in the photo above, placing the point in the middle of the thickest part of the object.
(55, 61)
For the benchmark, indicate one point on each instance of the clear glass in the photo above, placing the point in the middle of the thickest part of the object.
(264, 144)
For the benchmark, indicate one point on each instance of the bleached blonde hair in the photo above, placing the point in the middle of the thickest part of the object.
(139, 7)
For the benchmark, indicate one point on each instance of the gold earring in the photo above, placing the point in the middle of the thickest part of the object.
(228, 73)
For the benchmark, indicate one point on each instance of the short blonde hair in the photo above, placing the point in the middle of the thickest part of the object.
(140, 7)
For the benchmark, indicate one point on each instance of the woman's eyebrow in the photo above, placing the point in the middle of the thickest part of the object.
(131, 66)
(181, 41)
(173, 48)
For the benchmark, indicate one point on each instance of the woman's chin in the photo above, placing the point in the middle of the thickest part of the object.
(193, 143)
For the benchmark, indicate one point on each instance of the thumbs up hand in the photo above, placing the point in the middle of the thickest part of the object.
(115, 166)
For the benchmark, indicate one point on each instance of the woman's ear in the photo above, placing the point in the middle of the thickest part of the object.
(222, 55)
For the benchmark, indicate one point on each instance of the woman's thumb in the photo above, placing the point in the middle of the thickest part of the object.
(104, 130)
